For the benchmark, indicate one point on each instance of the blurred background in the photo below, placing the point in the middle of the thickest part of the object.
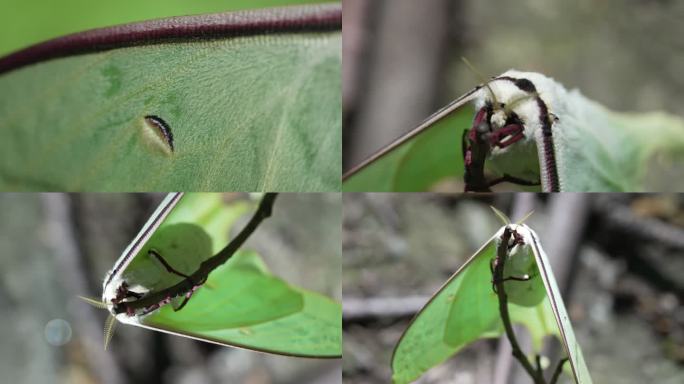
(402, 58)
(55, 247)
(618, 258)
(27, 22)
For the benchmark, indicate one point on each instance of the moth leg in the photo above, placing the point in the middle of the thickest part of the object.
(189, 295)
(514, 180)
(491, 269)
(506, 136)
(123, 293)
(185, 301)
(514, 278)
(166, 265)
(517, 278)
(464, 143)
(135, 295)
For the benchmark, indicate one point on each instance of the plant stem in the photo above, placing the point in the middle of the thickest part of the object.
(557, 372)
(208, 265)
(540, 371)
(501, 255)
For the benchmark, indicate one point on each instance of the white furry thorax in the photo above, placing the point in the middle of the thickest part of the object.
(550, 91)
(109, 292)
(521, 158)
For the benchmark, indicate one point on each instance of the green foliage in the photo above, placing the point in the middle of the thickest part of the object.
(252, 113)
(241, 304)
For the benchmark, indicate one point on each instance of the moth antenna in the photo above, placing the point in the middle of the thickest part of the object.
(109, 326)
(501, 215)
(482, 80)
(525, 217)
(93, 302)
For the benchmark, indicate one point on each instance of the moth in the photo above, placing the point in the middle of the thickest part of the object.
(173, 278)
(115, 289)
(528, 129)
(465, 308)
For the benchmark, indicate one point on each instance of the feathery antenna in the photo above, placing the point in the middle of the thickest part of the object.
(527, 216)
(482, 80)
(501, 215)
(110, 322)
(109, 326)
(93, 302)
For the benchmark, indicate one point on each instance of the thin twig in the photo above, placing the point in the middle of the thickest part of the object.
(208, 265)
(557, 372)
(502, 252)
(537, 359)
(358, 309)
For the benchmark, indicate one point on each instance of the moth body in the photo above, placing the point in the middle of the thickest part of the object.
(116, 292)
(523, 285)
(520, 112)
(465, 308)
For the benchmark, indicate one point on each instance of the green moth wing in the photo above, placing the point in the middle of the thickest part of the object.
(241, 304)
(462, 310)
(465, 309)
(521, 263)
(602, 150)
(566, 333)
(245, 101)
(427, 155)
(570, 143)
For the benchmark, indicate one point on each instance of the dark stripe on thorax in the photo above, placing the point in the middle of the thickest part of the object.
(526, 85)
(181, 29)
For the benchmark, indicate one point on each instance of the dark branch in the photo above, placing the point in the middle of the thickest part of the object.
(186, 285)
(557, 372)
(501, 255)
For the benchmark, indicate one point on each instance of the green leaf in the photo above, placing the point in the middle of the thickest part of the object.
(565, 333)
(241, 304)
(247, 113)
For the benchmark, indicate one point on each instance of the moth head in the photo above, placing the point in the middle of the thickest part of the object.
(518, 105)
(117, 292)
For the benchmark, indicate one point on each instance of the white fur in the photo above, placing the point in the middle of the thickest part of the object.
(522, 158)
(109, 292)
